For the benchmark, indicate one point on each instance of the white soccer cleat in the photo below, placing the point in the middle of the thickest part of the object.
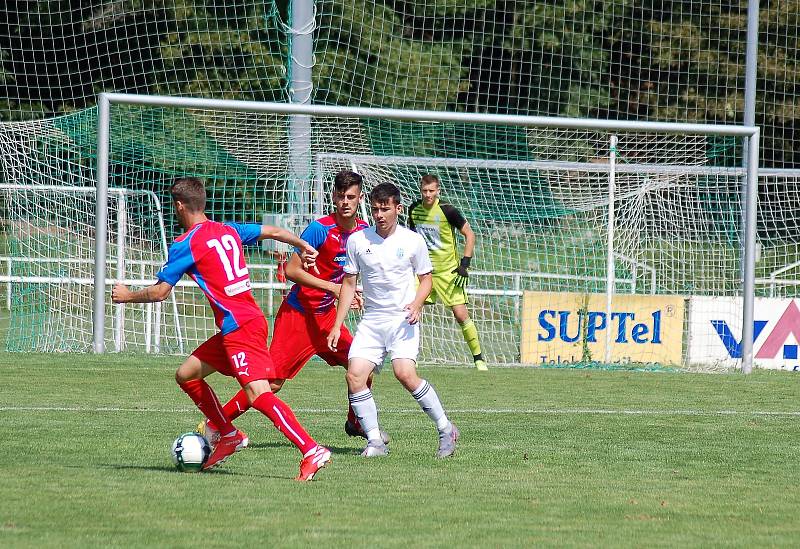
(447, 442)
(375, 448)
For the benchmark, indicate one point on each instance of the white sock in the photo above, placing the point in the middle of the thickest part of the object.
(367, 413)
(429, 401)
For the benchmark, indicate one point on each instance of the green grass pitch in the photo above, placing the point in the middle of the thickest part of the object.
(547, 458)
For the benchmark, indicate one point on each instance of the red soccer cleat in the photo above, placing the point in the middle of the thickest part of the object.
(313, 463)
(226, 447)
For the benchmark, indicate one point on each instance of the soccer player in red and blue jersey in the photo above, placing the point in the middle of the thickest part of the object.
(308, 312)
(211, 254)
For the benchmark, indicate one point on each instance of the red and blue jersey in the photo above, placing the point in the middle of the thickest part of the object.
(211, 254)
(330, 240)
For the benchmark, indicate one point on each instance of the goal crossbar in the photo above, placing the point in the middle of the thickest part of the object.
(589, 167)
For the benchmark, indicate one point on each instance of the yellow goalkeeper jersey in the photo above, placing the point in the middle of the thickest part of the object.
(437, 226)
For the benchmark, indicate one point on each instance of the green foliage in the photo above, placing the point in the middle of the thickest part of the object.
(230, 54)
(373, 61)
(650, 60)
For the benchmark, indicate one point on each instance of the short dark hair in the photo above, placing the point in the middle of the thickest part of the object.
(189, 191)
(384, 193)
(346, 179)
(429, 178)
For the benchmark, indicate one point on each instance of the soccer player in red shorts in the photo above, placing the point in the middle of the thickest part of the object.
(308, 312)
(211, 254)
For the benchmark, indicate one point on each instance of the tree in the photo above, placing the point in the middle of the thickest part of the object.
(61, 53)
(233, 52)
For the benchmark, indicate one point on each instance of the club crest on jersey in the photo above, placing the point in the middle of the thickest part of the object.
(400, 253)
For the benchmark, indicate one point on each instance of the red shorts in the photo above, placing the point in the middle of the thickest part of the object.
(242, 354)
(297, 337)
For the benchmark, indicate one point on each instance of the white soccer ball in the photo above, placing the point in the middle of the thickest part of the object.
(190, 452)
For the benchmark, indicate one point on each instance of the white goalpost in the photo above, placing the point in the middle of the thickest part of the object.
(572, 216)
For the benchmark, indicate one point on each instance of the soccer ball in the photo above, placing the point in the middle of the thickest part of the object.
(190, 452)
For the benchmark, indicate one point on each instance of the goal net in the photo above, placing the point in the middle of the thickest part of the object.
(47, 199)
(49, 275)
(561, 264)
(594, 248)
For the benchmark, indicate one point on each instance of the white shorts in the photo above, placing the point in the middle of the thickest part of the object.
(375, 337)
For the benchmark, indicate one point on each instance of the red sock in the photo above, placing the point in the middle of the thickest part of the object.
(236, 406)
(282, 416)
(204, 397)
(351, 415)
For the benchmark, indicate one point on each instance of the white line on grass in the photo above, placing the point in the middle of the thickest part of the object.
(527, 411)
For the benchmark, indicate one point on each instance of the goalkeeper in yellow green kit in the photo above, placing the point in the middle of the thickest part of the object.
(437, 223)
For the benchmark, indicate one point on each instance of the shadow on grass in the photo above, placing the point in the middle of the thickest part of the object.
(172, 470)
(159, 468)
(335, 449)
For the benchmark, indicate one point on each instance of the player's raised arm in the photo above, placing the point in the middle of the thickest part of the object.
(296, 273)
(346, 295)
(308, 254)
(157, 292)
(179, 260)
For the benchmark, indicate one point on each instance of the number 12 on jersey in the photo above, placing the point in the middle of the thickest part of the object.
(234, 268)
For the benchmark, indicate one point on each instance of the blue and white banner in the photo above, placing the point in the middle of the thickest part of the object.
(715, 332)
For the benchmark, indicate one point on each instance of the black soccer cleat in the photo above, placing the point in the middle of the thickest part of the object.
(353, 430)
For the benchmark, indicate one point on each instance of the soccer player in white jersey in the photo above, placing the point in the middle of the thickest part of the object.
(390, 259)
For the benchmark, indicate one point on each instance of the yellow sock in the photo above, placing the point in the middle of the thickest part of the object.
(471, 337)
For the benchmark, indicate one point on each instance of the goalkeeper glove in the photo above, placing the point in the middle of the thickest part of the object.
(461, 272)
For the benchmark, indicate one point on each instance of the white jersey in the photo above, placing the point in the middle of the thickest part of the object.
(388, 268)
